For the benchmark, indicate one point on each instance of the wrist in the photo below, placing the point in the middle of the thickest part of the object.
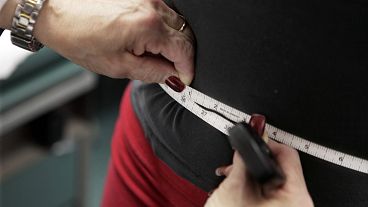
(7, 13)
(50, 26)
(41, 26)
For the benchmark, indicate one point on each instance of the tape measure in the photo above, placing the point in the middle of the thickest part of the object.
(223, 117)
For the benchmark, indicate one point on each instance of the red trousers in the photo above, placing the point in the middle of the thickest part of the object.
(136, 177)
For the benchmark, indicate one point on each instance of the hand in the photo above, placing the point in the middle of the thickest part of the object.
(238, 190)
(137, 39)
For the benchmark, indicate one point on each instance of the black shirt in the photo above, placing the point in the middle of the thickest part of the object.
(303, 64)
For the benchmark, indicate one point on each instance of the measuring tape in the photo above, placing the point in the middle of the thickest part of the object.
(208, 109)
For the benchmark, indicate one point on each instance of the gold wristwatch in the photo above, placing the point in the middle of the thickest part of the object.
(23, 24)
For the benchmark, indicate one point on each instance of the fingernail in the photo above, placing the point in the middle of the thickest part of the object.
(258, 123)
(218, 172)
(175, 83)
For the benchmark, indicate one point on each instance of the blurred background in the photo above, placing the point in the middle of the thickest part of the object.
(56, 122)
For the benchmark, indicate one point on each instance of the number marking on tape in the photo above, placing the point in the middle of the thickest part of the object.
(205, 107)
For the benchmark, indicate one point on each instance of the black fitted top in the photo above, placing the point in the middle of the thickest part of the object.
(303, 64)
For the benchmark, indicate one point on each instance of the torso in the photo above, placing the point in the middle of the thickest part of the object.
(303, 64)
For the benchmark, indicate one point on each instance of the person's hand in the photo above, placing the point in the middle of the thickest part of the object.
(239, 190)
(136, 39)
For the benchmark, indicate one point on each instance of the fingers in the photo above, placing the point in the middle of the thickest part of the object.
(265, 136)
(224, 171)
(169, 16)
(237, 169)
(176, 46)
(237, 177)
(149, 68)
(172, 50)
(288, 159)
(284, 153)
(179, 50)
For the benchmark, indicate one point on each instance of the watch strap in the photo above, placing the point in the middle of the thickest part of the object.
(23, 23)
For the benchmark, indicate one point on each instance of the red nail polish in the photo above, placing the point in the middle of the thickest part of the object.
(175, 83)
(258, 123)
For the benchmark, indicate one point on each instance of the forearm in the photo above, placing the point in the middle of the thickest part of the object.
(7, 13)
(112, 37)
(2, 2)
